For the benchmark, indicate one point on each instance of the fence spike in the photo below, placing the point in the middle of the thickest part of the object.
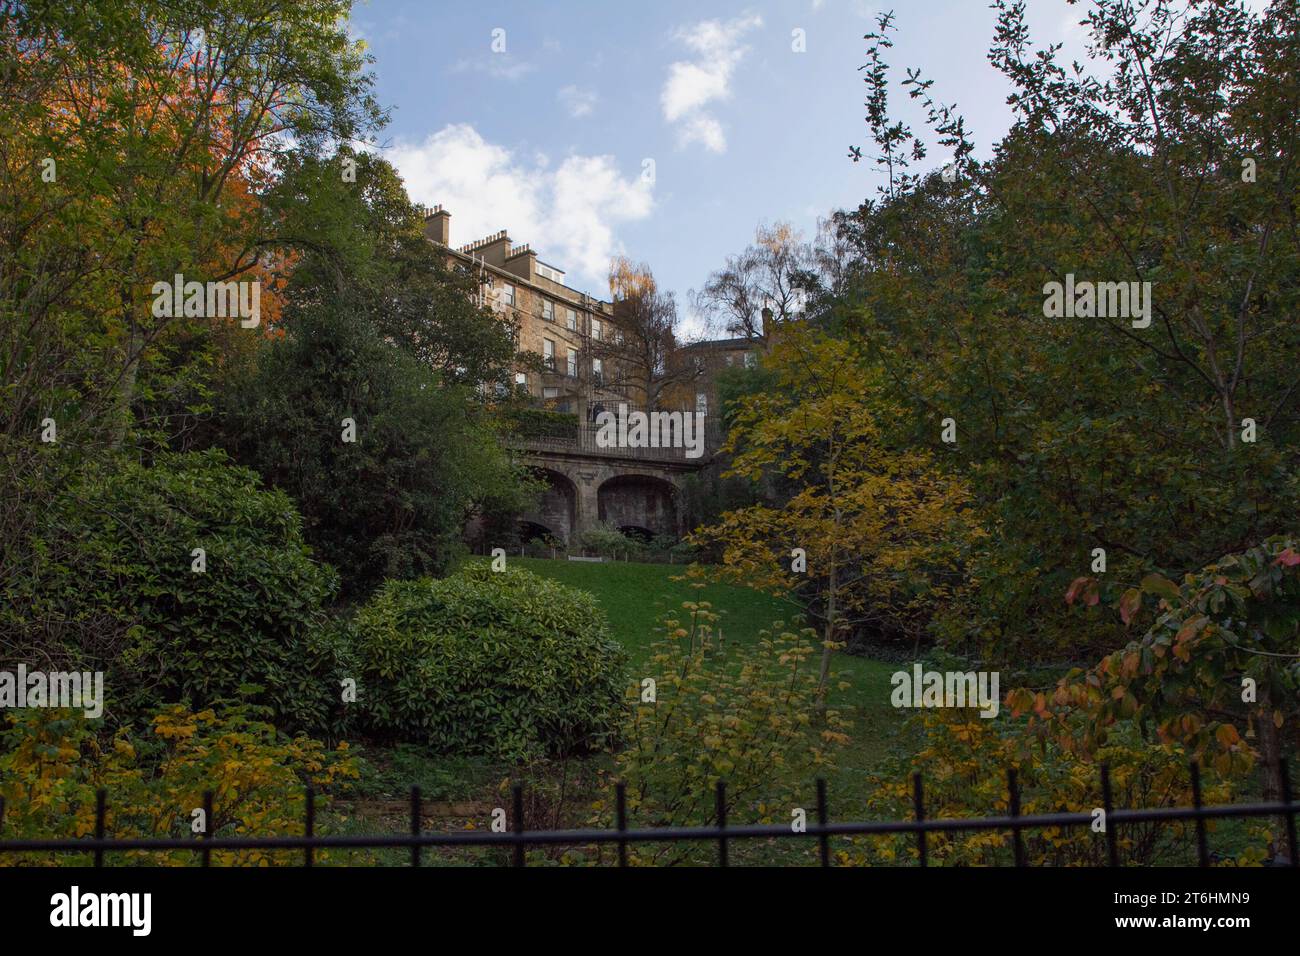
(721, 797)
(415, 825)
(620, 809)
(1108, 804)
(1013, 792)
(1202, 850)
(823, 838)
(101, 798)
(918, 809)
(207, 826)
(310, 825)
(1285, 776)
(517, 792)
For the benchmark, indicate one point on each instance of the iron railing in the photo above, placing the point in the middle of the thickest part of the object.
(583, 440)
(519, 839)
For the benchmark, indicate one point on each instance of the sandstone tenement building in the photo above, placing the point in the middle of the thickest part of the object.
(556, 323)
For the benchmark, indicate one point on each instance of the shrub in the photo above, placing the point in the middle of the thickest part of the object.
(52, 762)
(112, 588)
(501, 663)
(742, 713)
(964, 760)
(608, 542)
(541, 423)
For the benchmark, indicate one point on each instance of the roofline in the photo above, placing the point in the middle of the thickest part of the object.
(520, 280)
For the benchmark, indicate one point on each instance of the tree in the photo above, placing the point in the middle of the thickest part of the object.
(772, 274)
(864, 534)
(361, 238)
(643, 342)
(376, 333)
(1089, 433)
(161, 119)
(136, 138)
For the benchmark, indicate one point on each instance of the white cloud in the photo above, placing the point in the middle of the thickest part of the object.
(693, 84)
(568, 213)
(578, 101)
(703, 129)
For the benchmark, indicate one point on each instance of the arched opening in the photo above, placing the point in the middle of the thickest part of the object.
(636, 532)
(530, 531)
(639, 505)
(556, 513)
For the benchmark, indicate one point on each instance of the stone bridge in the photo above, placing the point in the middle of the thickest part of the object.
(636, 490)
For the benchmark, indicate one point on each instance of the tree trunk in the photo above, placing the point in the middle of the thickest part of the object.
(828, 639)
(1270, 751)
(121, 423)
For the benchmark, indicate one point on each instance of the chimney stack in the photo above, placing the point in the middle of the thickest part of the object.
(437, 225)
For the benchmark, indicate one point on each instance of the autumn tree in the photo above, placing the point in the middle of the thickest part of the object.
(864, 534)
(137, 137)
(641, 348)
(760, 287)
(1216, 668)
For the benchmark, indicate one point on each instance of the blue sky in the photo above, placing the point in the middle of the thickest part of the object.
(549, 137)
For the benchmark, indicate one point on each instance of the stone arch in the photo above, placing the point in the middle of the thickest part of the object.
(533, 531)
(558, 509)
(642, 501)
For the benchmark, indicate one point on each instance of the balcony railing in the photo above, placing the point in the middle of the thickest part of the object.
(585, 440)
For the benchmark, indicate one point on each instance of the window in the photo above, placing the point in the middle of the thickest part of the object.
(571, 320)
(595, 329)
(548, 353)
(507, 294)
(597, 371)
(548, 310)
(573, 363)
(550, 391)
(702, 402)
(751, 360)
(521, 379)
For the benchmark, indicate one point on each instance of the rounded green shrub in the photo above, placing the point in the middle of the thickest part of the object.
(502, 663)
(116, 585)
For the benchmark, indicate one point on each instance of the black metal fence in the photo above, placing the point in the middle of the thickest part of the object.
(720, 832)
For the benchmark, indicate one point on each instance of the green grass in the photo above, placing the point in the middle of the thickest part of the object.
(635, 597)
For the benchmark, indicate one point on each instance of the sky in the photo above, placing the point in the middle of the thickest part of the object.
(664, 131)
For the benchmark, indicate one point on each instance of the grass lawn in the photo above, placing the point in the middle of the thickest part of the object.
(635, 596)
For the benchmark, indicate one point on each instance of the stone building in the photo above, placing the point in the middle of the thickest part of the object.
(559, 325)
(575, 345)
(698, 390)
